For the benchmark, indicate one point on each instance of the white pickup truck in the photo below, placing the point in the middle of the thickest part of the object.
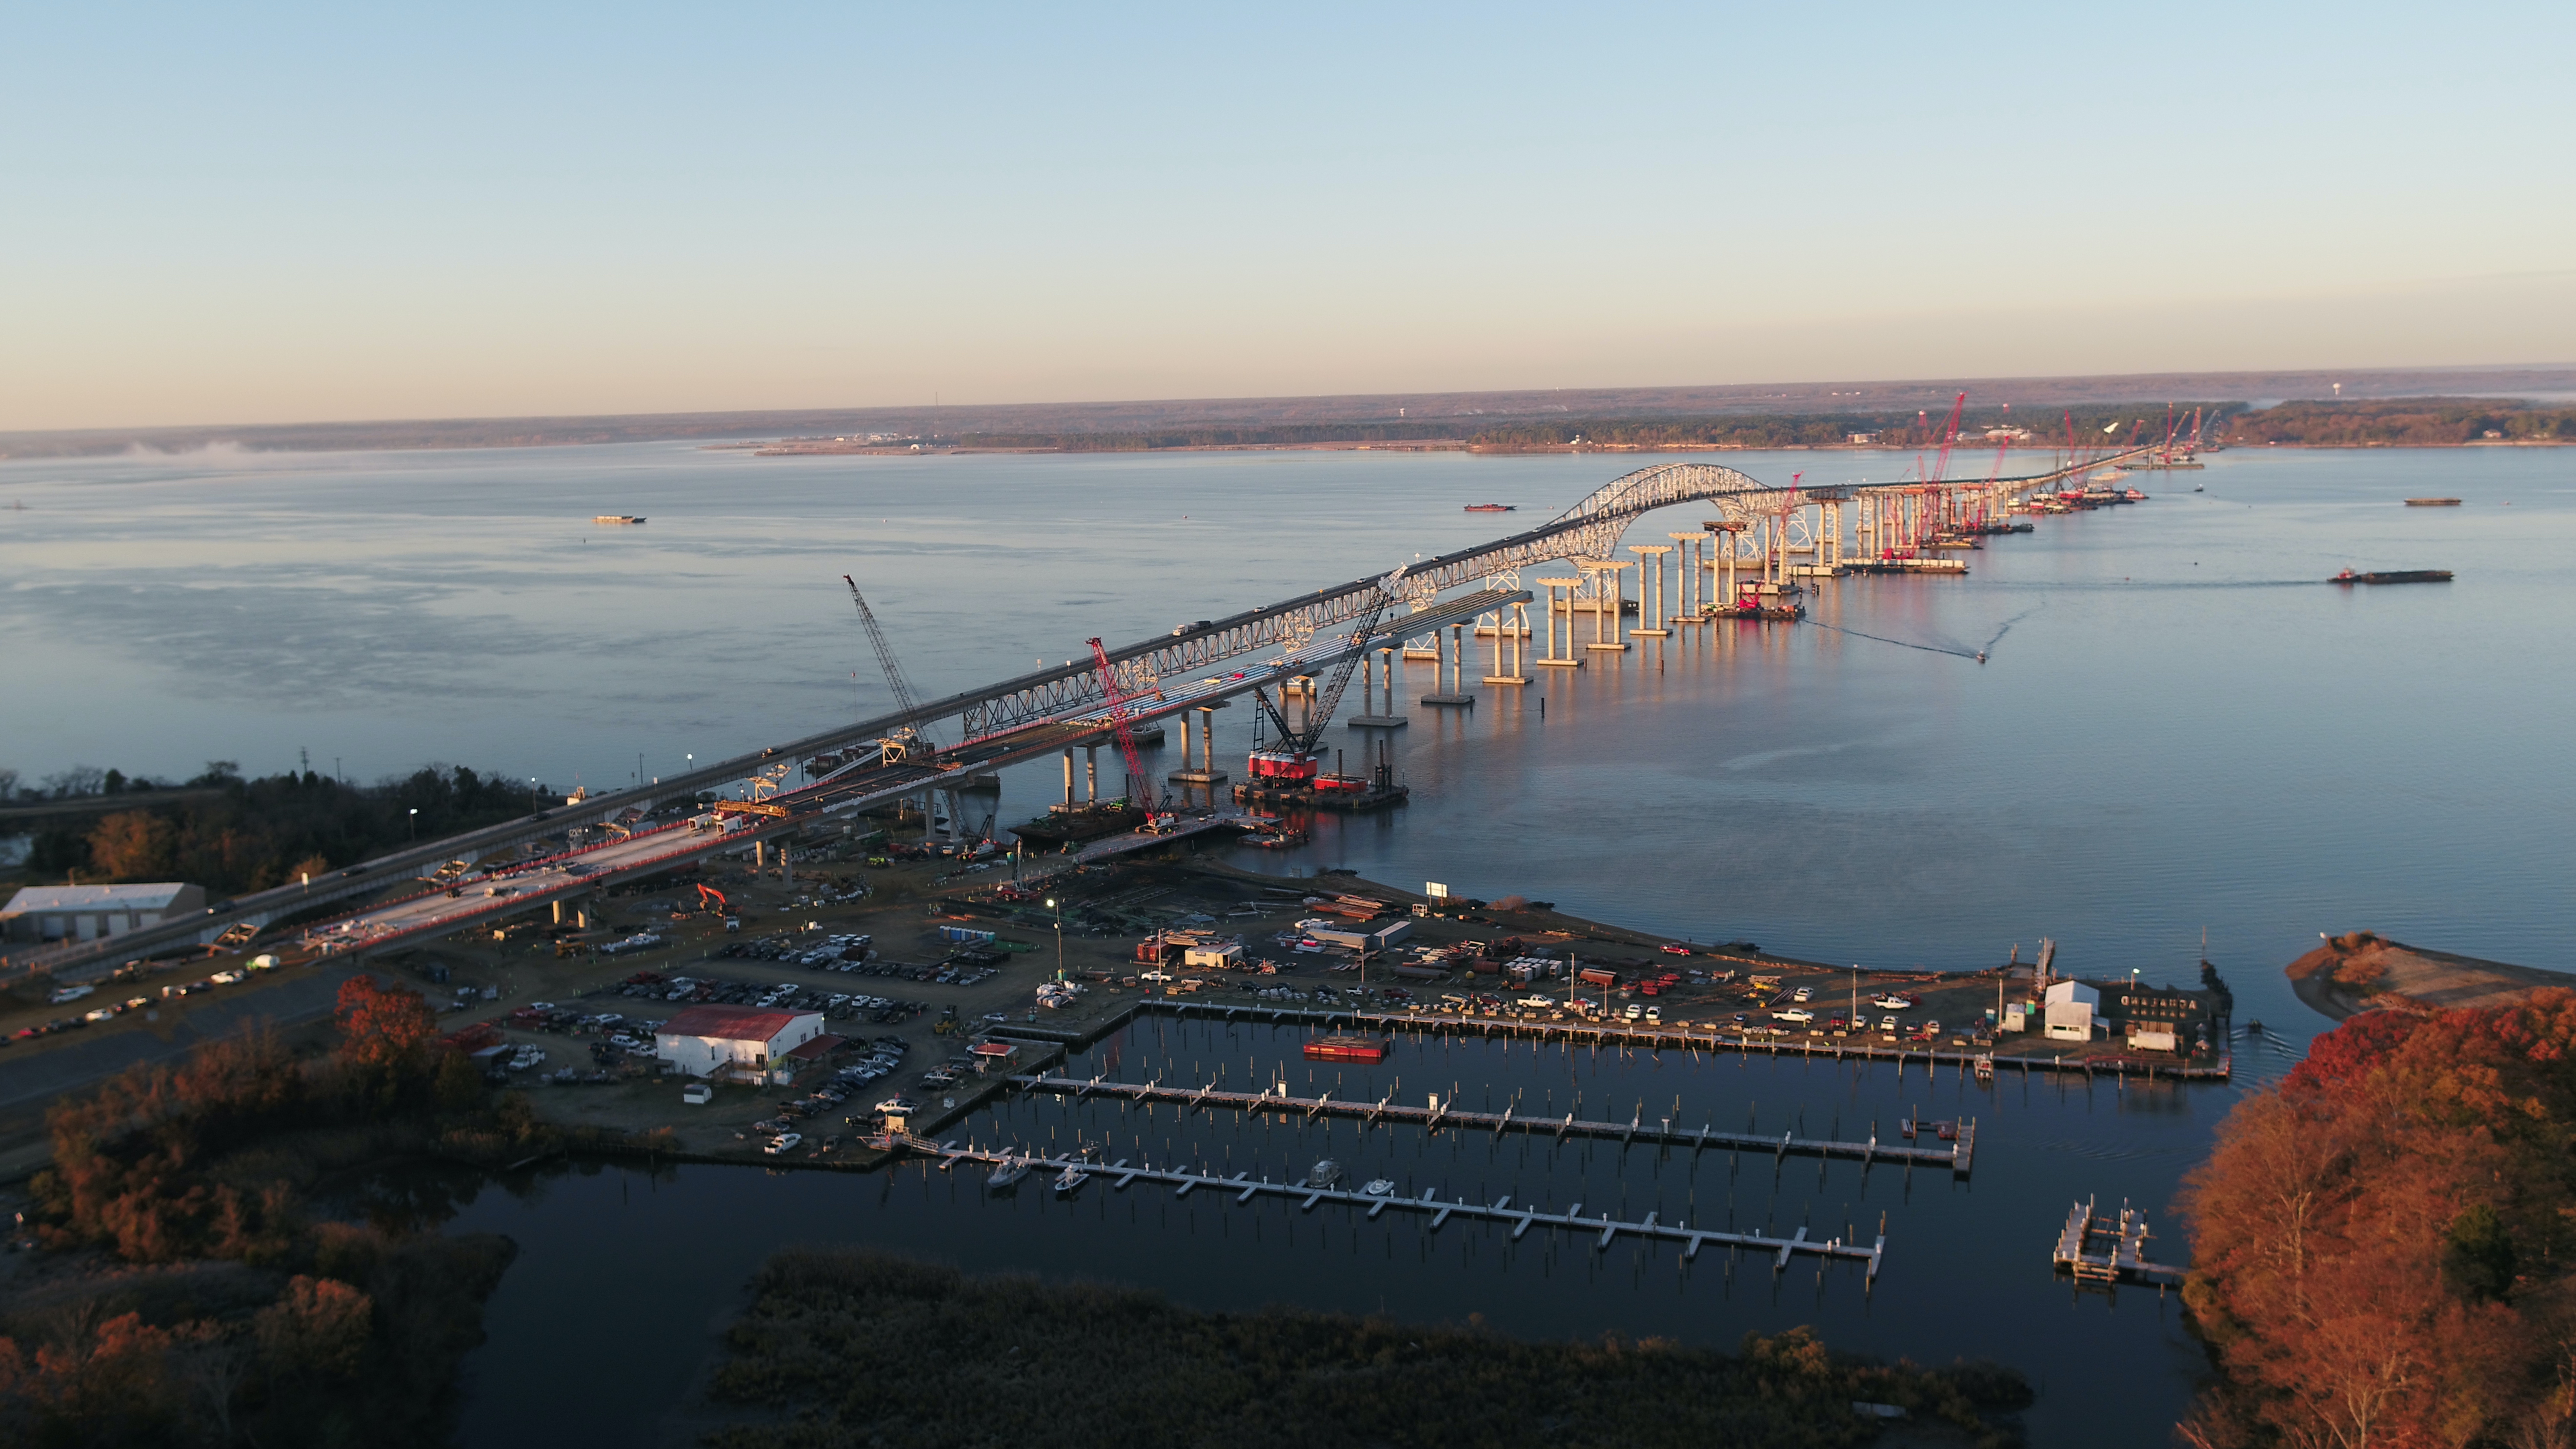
(1793, 1014)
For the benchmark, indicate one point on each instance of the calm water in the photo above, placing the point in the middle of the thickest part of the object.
(2176, 731)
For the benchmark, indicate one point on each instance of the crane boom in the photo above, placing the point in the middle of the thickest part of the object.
(1358, 637)
(1140, 792)
(885, 652)
(1949, 438)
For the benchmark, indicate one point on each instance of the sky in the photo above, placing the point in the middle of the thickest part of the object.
(247, 213)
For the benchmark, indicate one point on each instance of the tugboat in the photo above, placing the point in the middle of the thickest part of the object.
(1493, 508)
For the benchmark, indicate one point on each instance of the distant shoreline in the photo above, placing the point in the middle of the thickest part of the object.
(797, 448)
(1466, 411)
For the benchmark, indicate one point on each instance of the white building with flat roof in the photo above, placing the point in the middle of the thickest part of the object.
(2070, 1009)
(37, 914)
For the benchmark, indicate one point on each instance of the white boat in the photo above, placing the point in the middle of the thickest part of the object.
(1006, 1173)
(1324, 1173)
(1379, 1187)
(1072, 1179)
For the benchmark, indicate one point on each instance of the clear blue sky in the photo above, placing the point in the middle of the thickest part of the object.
(265, 213)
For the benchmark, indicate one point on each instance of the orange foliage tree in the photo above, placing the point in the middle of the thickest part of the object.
(2375, 1239)
(382, 1027)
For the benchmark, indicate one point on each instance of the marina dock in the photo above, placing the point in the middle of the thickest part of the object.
(1666, 1038)
(2102, 1250)
(1243, 1188)
(1958, 1157)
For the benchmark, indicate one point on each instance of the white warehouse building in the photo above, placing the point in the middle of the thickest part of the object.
(706, 1040)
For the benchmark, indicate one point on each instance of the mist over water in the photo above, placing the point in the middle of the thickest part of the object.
(2178, 729)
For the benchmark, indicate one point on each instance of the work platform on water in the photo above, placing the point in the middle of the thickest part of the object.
(2104, 1250)
(1243, 1187)
(1959, 1157)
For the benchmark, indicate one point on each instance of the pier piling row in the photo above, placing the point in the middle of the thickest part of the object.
(1958, 1158)
(1604, 1229)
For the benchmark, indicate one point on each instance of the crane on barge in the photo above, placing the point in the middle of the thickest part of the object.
(1140, 786)
(906, 742)
(1292, 762)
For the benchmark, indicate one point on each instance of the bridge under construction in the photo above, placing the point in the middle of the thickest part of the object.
(1049, 711)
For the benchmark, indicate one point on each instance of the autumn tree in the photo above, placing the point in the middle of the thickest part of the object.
(133, 845)
(384, 1028)
(2375, 1240)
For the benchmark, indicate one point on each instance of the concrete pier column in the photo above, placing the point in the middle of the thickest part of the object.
(787, 863)
(1605, 605)
(1207, 740)
(760, 855)
(1091, 772)
(1068, 774)
(1547, 655)
(1186, 756)
(1650, 588)
(1457, 659)
(1520, 635)
(1386, 660)
(558, 910)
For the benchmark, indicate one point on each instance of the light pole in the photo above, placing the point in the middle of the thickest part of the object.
(1054, 906)
(415, 823)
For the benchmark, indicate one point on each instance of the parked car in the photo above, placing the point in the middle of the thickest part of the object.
(783, 1143)
(1887, 1024)
(1803, 996)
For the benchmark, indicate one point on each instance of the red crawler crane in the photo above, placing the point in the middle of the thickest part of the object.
(1140, 786)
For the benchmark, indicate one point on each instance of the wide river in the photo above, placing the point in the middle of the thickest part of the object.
(2178, 730)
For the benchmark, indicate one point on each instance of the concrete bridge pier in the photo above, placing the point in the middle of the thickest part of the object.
(1548, 655)
(1385, 718)
(1606, 613)
(1201, 770)
(1456, 694)
(1504, 626)
(1650, 589)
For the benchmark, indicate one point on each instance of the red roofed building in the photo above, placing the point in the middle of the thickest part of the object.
(704, 1040)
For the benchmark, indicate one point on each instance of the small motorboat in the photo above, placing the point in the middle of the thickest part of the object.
(2253, 1026)
(1070, 1181)
(1006, 1175)
(1379, 1187)
(1324, 1173)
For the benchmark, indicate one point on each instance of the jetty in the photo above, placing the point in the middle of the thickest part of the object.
(1959, 1156)
(1603, 1229)
(2105, 1250)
